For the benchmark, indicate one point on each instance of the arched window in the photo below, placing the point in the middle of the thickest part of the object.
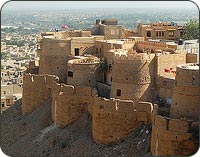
(148, 33)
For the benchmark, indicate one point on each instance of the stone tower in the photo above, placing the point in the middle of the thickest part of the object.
(186, 97)
(133, 76)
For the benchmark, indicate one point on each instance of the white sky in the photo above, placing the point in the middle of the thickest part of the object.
(97, 4)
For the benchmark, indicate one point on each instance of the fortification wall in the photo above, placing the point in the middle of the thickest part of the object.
(69, 103)
(134, 76)
(114, 119)
(67, 34)
(53, 58)
(83, 72)
(171, 137)
(165, 87)
(168, 61)
(36, 90)
(153, 46)
(186, 95)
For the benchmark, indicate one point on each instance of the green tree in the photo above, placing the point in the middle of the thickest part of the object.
(4, 55)
(191, 30)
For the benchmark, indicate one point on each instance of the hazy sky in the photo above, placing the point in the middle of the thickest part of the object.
(96, 4)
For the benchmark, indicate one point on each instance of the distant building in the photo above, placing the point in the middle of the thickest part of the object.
(164, 30)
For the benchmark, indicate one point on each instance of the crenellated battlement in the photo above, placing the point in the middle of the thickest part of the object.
(36, 90)
(120, 55)
(172, 136)
(176, 125)
(151, 43)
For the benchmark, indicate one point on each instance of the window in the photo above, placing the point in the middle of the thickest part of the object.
(181, 34)
(171, 34)
(110, 67)
(2, 104)
(118, 92)
(157, 34)
(163, 34)
(96, 50)
(111, 79)
(76, 51)
(101, 106)
(7, 100)
(148, 34)
(4, 92)
(70, 74)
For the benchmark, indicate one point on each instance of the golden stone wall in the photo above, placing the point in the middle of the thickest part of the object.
(69, 103)
(167, 61)
(134, 76)
(114, 119)
(165, 87)
(186, 97)
(85, 72)
(192, 57)
(53, 57)
(171, 137)
(36, 90)
(54, 54)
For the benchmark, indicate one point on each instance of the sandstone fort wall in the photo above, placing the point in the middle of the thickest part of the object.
(165, 87)
(186, 95)
(69, 103)
(36, 90)
(171, 137)
(114, 119)
(134, 76)
(53, 58)
(84, 72)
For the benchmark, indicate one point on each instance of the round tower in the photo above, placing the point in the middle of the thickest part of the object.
(132, 76)
(83, 72)
(186, 97)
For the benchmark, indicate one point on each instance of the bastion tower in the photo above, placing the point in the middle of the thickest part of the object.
(186, 97)
(133, 76)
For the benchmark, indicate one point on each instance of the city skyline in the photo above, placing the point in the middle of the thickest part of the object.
(97, 4)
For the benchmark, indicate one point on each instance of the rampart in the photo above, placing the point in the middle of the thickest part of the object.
(66, 34)
(133, 76)
(36, 90)
(186, 95)
(69, 103)
(171, 137)
(114, 119)
(153, 46)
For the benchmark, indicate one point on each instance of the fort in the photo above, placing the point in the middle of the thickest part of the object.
(116, 75)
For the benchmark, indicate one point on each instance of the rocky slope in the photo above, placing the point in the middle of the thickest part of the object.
(36, 135)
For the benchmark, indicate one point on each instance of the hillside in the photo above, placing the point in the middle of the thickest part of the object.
(36, 135)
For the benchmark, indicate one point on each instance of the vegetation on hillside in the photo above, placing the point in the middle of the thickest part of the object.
(191, 30)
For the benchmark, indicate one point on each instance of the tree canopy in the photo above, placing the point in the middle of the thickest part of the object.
(191, 30)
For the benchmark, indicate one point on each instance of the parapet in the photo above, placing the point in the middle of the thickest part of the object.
(121, 55)
(172, 137)
(114, 119)
(175, 125)
(187, 75)
(36, 90)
